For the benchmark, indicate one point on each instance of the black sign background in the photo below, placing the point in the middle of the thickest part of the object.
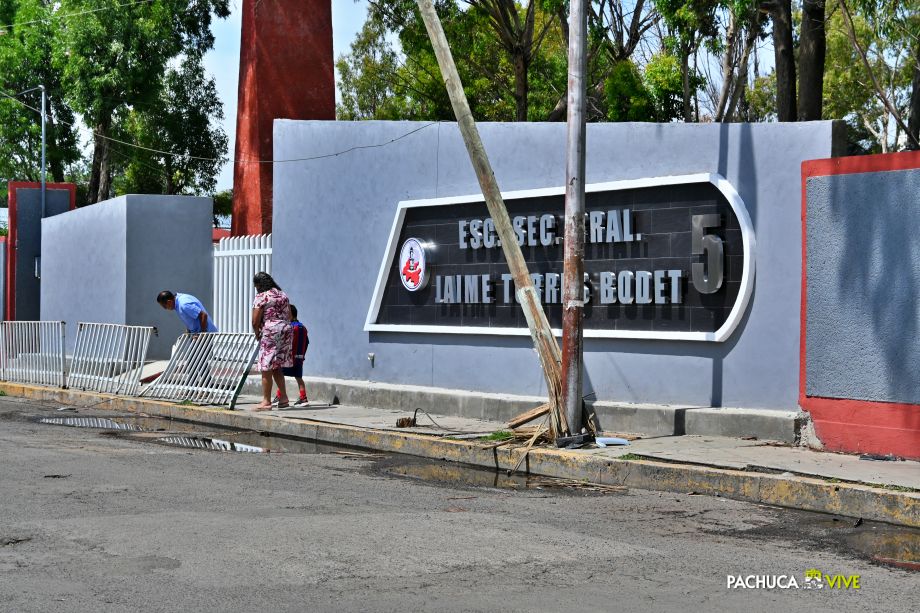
(662, 214)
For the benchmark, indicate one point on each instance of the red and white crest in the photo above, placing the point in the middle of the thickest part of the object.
(412, 265)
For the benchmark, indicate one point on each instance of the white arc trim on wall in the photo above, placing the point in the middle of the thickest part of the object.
(745, 291)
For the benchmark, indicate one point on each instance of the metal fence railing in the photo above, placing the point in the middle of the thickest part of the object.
(109, 358)
(236, 260)
(206, 369)
(32, 352)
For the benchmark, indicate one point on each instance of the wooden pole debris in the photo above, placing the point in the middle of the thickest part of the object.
(540, 431)
(527, 416)
(540, 331)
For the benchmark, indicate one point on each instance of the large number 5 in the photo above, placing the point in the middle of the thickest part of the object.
(707, 278)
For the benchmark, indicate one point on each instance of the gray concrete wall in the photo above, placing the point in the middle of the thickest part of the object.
(863, 310)
(83, 266)
(107, 262)
(169, 247)
(332, 217)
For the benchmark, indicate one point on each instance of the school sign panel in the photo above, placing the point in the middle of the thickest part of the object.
(665, 258)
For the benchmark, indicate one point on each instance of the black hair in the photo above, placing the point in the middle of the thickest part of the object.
(165, 296)
(293, 312)
(264, 282)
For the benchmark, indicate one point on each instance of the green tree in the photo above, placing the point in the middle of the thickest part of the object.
(848, 85)
(628, 99)
(112, 61)
(223, 204)
(654, 96)
(691, 24)
(508, 61)
(183, 120)
(25, 62)
(891, 60)
(369, 77)
(664, 80)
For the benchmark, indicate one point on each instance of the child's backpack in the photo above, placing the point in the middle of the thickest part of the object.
(301, 340)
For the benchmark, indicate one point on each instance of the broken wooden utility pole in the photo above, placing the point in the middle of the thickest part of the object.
(573, 298)
(540, 331)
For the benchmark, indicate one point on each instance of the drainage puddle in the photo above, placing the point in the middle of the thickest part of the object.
(129, 424)
(469, 476)
(190, 436)
(247, 442)
(889, 545)
(886, 544)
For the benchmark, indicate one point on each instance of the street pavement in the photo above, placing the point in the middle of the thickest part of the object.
(92, 521)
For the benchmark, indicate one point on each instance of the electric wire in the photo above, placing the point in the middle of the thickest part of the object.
(73, 14)
(234, 161)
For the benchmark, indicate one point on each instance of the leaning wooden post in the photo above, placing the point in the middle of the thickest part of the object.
(573, 303)
(543, 339)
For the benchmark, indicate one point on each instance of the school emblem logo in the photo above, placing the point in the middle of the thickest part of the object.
(412, 266)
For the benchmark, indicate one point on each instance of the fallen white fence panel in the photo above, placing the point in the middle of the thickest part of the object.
(206, 369)
(236, 260)
(108, 358)
(32, 352)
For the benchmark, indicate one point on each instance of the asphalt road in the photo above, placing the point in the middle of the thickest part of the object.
(96, 522)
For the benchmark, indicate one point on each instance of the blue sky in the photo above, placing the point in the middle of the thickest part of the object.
(223, 62)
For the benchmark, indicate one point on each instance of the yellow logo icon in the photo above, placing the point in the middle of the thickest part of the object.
(813, 579)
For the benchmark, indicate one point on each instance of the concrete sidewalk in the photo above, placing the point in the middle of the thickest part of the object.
(713, 451)
(754, 471)
(378, 419)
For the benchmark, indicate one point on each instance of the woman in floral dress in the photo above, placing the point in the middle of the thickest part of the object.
(271, 321)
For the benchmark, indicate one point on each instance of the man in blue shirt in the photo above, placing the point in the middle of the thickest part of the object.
(189, 309)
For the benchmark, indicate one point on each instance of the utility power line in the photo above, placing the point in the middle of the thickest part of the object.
(73, 14)
(243, 161)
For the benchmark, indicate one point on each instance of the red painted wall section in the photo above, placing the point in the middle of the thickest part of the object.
(286, 72)
(857, 426)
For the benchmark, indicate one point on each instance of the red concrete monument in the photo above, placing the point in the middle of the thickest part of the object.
(286, 72)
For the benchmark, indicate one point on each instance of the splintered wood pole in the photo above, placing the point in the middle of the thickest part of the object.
(573, 302)
(540, 331)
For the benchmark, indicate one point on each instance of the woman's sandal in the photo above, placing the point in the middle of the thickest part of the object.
(263, 407)
(282, 405)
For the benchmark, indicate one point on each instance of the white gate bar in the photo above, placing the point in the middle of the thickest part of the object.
(206, 368)
(108, 358)
(32, 352)
(236, 260)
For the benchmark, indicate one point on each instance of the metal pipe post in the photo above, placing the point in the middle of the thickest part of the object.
(573, 299)
(44, 122)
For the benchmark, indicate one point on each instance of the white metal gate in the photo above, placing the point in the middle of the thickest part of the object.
(206, 369)
(32, 352)
(109, 358)
(236, 260)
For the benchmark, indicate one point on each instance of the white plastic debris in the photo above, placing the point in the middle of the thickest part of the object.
(605, 441)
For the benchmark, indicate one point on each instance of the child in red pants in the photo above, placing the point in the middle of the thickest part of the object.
(301, 341)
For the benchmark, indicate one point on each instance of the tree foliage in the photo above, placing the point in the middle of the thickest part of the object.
(652, 60)
(181, 120)
(510, 70)
(25, 63)
(848, 90)
(113, 61)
